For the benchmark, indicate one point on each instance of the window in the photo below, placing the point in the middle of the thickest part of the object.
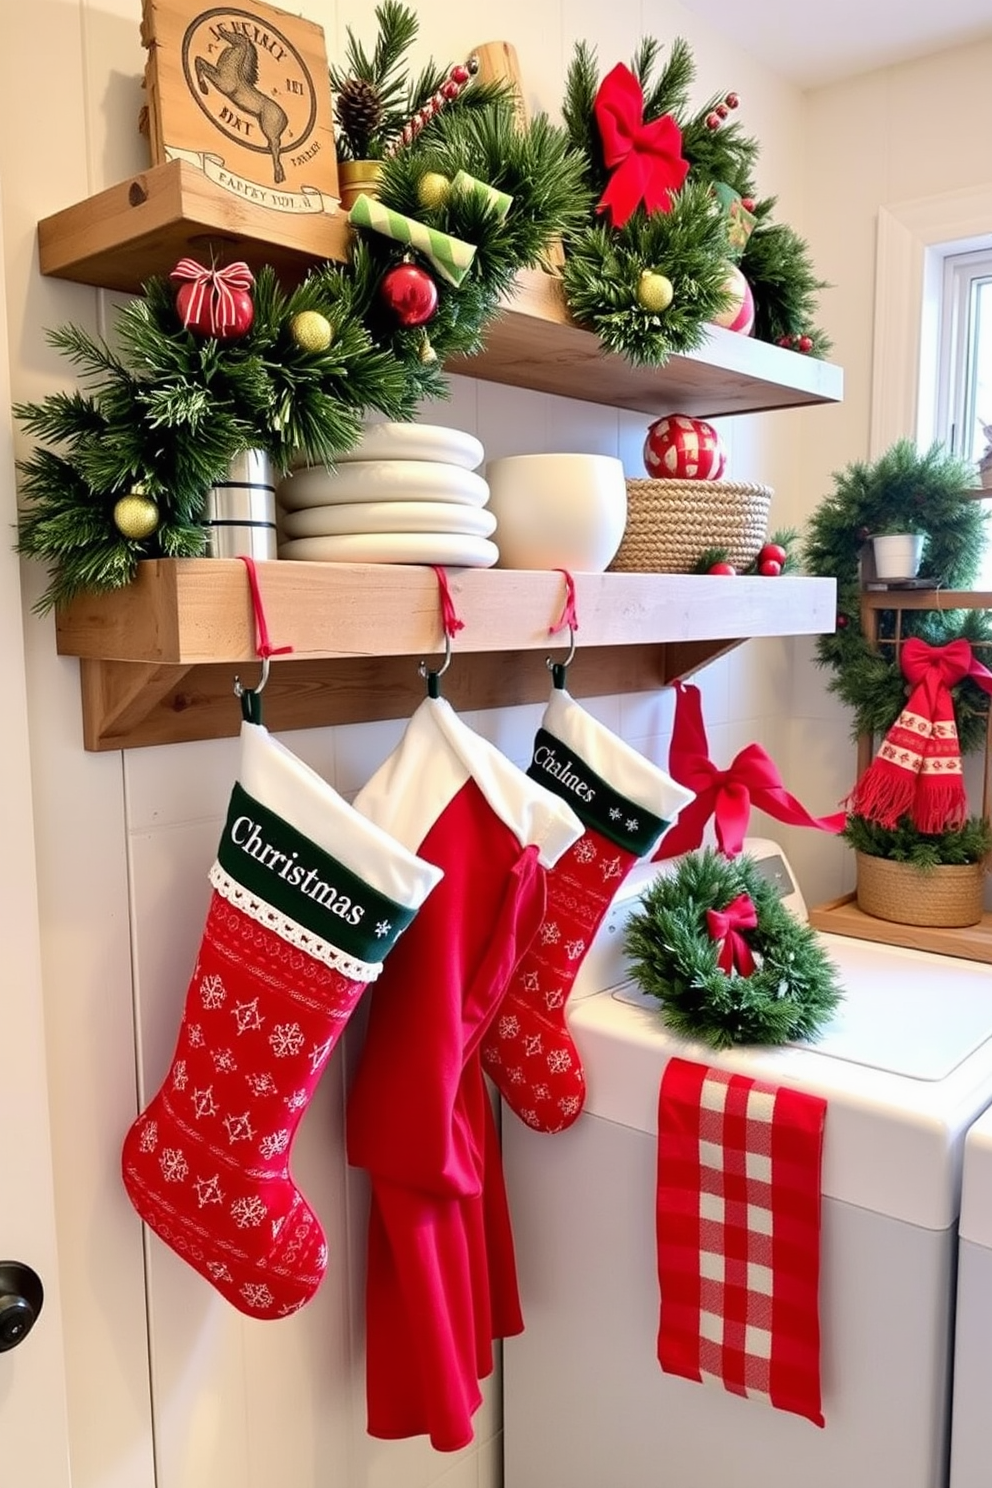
(963, 383)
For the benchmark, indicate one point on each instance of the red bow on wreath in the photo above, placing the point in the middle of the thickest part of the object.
(726, 795)
(646, 159)
(222, 312)
(725, 925)
(918, 768)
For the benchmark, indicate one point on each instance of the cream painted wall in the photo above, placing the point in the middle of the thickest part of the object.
(124, 843)
(899, 134)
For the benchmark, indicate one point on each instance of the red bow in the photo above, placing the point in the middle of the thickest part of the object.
(725, 925)
(646, 159)
(726, 795)
(918, 768)
(219, 283)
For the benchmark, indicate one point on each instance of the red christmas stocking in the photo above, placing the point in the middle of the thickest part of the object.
(308, 898)
(441, 1275)
(625, 804)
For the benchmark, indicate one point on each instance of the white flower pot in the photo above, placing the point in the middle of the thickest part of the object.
(557, 511)
(898, 555)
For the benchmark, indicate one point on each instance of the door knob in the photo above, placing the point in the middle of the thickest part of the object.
(21, 1298)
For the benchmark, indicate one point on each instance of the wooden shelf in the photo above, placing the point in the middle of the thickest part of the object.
(143, 226)
(843, 917)
(534, 344)
(159, 657)
(140, 228)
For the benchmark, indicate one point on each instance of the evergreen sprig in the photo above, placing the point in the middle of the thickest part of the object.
(535, 165)
(604, 265)
(905, 843)
(603, 268)
(788, 997)
(388, 96)
(166, 411)
(924, 490)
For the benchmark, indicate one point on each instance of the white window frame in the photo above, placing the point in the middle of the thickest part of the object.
(913, 239)
(955, 395)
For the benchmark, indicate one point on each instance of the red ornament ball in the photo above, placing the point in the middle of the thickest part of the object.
(805, 343)
(410, 293)
(773, 552)
(681, 448)
(739, 315)
(206, 313)
(713, 121)
(770, 568)
(722, 568)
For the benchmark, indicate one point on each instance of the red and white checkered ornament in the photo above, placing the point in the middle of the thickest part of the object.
(683, 448)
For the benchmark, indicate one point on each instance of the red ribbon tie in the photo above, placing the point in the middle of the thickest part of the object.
(725, 926)
(218, 283)
(646, 159)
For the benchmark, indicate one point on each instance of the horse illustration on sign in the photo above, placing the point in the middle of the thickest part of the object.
(235, 75)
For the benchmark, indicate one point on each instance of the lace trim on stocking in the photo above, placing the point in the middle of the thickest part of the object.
(290, 931)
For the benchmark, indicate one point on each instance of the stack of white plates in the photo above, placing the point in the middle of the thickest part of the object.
(408, 493)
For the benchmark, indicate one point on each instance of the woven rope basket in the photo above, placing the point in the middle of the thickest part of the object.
(949, 896)
(672, 523)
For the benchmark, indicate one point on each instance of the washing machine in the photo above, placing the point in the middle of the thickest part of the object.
(906, 1068)
(971, 1459)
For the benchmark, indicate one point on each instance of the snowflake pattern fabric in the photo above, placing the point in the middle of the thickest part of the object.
(528, 1051)
(206, 1164)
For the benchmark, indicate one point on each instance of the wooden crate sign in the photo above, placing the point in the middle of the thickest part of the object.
(243, 94)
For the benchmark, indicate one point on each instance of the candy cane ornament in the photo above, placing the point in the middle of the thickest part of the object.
(458, 78)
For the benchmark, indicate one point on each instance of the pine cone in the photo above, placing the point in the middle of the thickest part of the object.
(358, 110)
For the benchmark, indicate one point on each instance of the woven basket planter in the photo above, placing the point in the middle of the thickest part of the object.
(672, 523)
(950, 896)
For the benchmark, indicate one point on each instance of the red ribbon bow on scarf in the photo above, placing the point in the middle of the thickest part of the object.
(727, 795)
(219, 283)
(918, 768)
(725, 925)
(646, 159)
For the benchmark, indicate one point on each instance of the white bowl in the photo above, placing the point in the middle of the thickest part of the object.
(389, 516)
(558, 511)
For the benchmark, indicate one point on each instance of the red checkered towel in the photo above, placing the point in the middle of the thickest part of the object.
(738, 1219)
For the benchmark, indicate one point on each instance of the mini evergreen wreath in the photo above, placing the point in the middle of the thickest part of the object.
(789, 994)
(649, 283)
(922, 492)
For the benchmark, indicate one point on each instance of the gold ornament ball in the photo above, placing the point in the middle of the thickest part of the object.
(311, 331)
(433, 189)
(136, 516)
(654, 291)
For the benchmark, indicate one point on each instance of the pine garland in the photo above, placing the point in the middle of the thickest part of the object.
(925, 492)
(788, 997)
(168, 410)
(534, 165)
(905, 843)
(603, 266)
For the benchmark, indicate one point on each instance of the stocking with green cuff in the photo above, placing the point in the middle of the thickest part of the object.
(625, 804)
(308, 899)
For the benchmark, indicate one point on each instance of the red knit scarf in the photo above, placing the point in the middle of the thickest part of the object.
(917, 771)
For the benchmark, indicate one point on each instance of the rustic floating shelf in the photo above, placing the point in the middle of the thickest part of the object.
(122, 237)
(159, 657)
(140, 228)
(843, 917)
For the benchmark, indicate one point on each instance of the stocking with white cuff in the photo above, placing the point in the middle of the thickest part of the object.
(308, 899)
(441, 1275)
(626, 804)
